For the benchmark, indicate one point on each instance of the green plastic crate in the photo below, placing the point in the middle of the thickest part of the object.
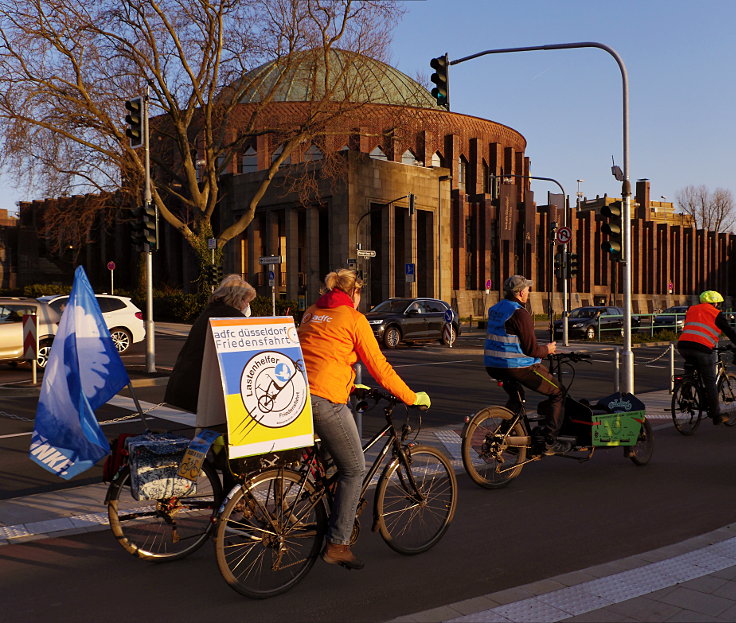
(617, 429)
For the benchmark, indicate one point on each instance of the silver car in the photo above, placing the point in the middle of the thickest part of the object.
(12, 311)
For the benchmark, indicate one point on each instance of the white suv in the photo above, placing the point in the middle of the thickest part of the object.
(123, 319)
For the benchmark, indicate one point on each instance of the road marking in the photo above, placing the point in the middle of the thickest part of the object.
(433, 363)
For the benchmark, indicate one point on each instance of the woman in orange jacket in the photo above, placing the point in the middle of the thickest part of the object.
(334, 335)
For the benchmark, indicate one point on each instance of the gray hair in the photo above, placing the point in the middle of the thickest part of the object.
(234, 291)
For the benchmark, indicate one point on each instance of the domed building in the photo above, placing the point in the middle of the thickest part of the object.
(410, 198)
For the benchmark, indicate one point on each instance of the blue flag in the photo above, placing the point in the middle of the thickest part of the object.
(83, 372)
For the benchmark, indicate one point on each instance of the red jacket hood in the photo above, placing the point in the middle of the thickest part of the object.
(334, 298)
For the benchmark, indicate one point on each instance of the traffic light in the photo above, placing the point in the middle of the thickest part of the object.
(136, 229)
(441, 78)
(560, 265)
(573, 268)
(150, 233)
(134, 119)
(613, 228)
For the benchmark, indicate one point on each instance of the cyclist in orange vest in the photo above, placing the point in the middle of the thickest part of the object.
(704, 324)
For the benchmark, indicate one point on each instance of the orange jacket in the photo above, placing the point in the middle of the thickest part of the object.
(700, 325)
(333, 336)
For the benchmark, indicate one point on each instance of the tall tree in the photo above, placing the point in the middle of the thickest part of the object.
(713, 211)
(67, 66)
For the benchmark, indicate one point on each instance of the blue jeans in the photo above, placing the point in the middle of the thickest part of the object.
(336, 428)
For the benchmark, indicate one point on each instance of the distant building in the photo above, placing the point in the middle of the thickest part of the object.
(476, 220)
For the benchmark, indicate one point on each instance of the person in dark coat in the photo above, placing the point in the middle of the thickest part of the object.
(231, 299)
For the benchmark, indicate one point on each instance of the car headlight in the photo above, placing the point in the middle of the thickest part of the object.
(375, 321)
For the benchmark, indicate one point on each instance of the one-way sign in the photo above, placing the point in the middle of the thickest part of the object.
(269, 259)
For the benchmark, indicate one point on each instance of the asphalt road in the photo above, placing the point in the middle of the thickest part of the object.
(559, 515)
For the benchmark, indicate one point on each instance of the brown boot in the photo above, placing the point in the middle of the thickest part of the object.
(335, 554)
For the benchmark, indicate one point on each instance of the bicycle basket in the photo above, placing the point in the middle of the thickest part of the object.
(154, 462)
(617, 429)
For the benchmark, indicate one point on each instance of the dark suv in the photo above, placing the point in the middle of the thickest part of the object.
(411, 320)
(587, 322)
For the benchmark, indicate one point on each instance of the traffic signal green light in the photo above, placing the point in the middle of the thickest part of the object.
(573, 268)
(441, 79)
(613, 228)
(150, 226)
(134, 119)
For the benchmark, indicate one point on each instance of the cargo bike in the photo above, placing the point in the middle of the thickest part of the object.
(498, 441)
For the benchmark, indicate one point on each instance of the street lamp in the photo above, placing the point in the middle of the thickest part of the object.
(627, 354)
(579, 195)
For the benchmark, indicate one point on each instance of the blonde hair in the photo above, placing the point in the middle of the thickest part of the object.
(344, 279)
(234, 291)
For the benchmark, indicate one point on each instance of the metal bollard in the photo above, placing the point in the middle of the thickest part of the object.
(672, 368)
(617, 370)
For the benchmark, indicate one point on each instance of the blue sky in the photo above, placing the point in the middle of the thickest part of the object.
(681, 62)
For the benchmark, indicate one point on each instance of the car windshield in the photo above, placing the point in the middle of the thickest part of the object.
(394, 306)
(584, 312)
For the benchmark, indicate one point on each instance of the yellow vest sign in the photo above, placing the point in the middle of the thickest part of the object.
(253, 377)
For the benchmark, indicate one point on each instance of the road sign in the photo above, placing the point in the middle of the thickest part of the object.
(271, 278)
(111, 266)
(29, 337)
(409, 270)
(448, 315)
(564, 235)
(489, 284)
(211, 243)
(366, 253)
(269, 259)
(448, 335)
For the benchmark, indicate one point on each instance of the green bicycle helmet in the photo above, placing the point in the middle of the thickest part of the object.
(711, 296)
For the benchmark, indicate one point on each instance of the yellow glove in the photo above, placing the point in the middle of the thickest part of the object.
(423, 400)
(359, 386)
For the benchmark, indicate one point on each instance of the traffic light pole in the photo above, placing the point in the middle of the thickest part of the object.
(627, 354)
(150, 336)
(565, 275)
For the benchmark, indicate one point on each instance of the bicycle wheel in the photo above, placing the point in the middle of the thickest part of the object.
(488, 458)
(686, 407)
(727, 397)
(641, 453)
(411, 521)
(270, 533)
(167, 529)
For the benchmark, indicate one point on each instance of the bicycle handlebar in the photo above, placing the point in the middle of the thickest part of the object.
(377, 394)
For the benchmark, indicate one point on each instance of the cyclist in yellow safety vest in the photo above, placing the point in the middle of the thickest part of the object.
(704, 324)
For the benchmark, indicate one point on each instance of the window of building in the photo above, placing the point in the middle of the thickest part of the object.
(462, 170)
(409, 158)
(249, 161)
(378, 154)
(486, 178)
(277, 152)
(313, 153)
